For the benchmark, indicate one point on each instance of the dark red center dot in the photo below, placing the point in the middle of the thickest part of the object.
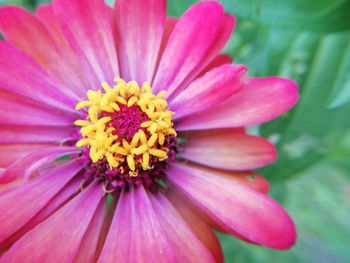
(126, 122)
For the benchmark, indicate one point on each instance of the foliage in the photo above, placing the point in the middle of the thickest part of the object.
(308, 41)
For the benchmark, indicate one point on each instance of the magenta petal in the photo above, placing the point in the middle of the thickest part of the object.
(23, 168)
(47, 16)
(225, 31)
(226, 149)
(28, 134)
(60, 235)
(19, 110)
(205, 92)
(87, 27)
(71, 70)
(67, 192)
(238, 209)
(106, 224)
(259, 101)
(218, 61)
(136, 222)
(87, 249)
(24, 31)
(139, 27)
(189, 42)
(248, 178)
(154, 231)
(197, 221)
(182, 239)
(22, 75)
(30, 197)
(170, 23)
(11, 152)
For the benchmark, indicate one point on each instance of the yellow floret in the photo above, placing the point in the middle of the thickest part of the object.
(99, 136)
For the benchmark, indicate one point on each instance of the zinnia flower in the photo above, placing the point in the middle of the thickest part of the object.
(122, 135)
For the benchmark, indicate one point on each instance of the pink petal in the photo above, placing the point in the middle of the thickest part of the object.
(197, 221)
(209, 90)
(107, 222)
(30, 197)
(226, 29)
(248, 178)
(226, 149)
(19, 110)
(170, 23)
(260, 100)
(23, 168)
(29, 134)
(20, 74)
(189, 42)
(47, 16)
(154, 230)
(87, 249)
(9, 153)
(24, 31)
(237, 208)
(67, 193)
(71, 69)
(88, 29)
(219, 60)
(180, 236)
(60, 235)
(136, 222)
(139, 28)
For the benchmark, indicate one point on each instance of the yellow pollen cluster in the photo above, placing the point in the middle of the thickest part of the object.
(99, 134)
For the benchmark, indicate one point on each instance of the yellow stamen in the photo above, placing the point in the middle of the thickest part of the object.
(143, 137)
(133, 174)
(131, 162)
(140, 150)
(83, 142)
(102, 138)
(111, 160)
(145, 160)
(146, 124)
(135, 139)
(158, 153)
(83, 104)
(82, 123)
(152, 140)
(161, 138)
(132, 101)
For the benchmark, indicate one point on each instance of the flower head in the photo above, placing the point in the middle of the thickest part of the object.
(123, 139)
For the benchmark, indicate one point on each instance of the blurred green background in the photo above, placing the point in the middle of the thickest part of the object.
(308, 41)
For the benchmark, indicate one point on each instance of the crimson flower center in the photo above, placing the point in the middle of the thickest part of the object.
(127, 135)
(126, 122)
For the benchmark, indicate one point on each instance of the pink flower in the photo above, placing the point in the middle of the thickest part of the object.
(121, 140)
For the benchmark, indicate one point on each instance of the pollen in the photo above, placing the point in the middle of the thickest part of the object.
(125, 125)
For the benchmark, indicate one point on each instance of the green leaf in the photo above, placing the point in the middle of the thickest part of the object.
(308, 131)
(341, 92)
(110, 2)
(178, 7)
(321, 15)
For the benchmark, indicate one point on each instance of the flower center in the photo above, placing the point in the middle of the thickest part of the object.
(126, 125)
